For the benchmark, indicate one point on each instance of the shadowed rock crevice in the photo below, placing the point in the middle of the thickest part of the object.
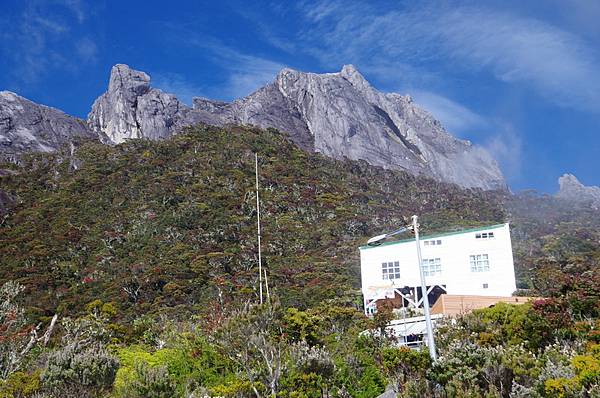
(389, 123)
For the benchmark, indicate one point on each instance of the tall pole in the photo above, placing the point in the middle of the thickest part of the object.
(258, 228)
(430, 339)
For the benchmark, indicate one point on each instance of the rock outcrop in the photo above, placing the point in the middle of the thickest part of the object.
(132, 109)
(29, 127)
(337, 114)
(342, 115)
(574, 191)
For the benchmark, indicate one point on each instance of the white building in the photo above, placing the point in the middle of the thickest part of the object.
(469, 262)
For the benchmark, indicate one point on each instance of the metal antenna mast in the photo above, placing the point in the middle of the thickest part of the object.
(260, 290)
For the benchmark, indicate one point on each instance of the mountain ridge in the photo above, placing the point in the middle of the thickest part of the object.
(338, 114)
(29, 127)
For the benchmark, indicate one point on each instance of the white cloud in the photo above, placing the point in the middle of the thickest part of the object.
(526, 51)
(455, 117)
(560, 66)
(35, 43)
(243, 73)
(507, 148)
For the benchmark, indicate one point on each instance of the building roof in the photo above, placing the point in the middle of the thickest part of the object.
(425, 237)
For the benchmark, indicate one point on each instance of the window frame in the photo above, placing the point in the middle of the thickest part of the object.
(432, 242)
(394, 267)
(433, 266)
(479, 262)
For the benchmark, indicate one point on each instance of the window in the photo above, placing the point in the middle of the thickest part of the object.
(390, 270)
(479, 263)
(432, 266)
(484, 235)
(432, 242)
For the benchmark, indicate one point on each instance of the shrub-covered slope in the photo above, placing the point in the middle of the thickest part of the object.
(172, 224)
(556, 243)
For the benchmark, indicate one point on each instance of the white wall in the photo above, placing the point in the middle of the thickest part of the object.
(454, 253)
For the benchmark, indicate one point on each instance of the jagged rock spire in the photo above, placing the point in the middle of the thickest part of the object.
(132, 109)
(574, 191)
(123, 78)
(338, 114)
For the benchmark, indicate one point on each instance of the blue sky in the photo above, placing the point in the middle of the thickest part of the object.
(519, 78)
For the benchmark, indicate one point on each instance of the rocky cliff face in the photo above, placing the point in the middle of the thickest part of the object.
(341, 115)
(132, 109)
(28, 127)
(574, 191)
(337, 114)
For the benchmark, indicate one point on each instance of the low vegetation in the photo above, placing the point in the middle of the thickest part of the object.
(146, 251)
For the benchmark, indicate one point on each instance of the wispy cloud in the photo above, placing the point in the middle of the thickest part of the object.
(42, 37)
(248, 73)
(556, 63)
(580, 15)
(77, 8)
(244, 73)
(86, 49)
(560, 66)
(457, 118)
(507, 148)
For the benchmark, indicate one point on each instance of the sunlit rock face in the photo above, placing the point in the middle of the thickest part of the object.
(337, 114)
(132, 109)
(342, 115)
(574, 191)
(29, 127)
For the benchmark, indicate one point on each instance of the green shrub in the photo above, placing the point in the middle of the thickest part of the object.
(190, 362)
(20, 384)
(587, 369)
(403, 364)
(151, 382)
(91, 369)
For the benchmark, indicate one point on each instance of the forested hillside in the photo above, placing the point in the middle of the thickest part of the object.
(556, 243)
(147, 254)
(172, 224)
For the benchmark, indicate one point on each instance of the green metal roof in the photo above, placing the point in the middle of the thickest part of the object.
(425, 237)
